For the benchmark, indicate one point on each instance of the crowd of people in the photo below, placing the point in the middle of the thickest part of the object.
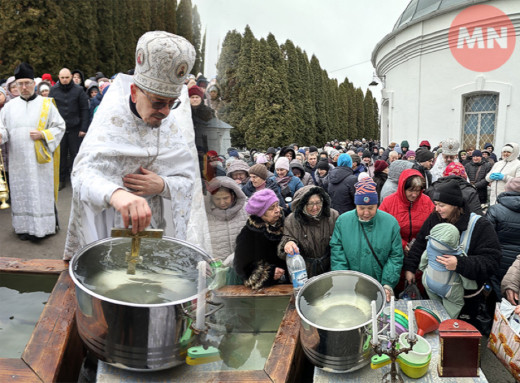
(444, 218)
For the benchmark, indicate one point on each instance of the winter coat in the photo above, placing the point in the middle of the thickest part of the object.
(72, 103)
(323, 182)
(294, 184)
(249, 190)
(409, 215)
(511, 280)
(469, 193)
(307, 178)
(394, 172)
(380, 179)
(505, 218)
(350, 250)
(256, 253)
(477, 177)
(510, 167)
(341, 188)
(311, 170)
(224, 225)
(484, 253)
(311, 235)
(425, 173)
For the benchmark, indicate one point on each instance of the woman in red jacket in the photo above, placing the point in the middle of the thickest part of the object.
(411, 208)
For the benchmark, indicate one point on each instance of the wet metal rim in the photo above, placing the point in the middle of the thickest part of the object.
(78, 284)
(331, 274)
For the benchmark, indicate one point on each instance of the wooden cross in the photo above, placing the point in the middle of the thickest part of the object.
(133, 257)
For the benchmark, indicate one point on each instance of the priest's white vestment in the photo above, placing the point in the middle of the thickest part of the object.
(119, 143)
(31, 184)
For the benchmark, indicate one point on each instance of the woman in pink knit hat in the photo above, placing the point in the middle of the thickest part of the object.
(256, 260)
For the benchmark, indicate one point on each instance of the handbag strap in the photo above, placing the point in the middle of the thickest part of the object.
(371, 248)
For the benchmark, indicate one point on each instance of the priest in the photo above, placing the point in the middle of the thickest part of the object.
(32, 128)
(134, 155)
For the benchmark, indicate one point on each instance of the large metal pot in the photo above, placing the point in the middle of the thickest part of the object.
(335, 315)
(140, 336)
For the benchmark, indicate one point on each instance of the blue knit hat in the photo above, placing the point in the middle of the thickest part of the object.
(366, 193)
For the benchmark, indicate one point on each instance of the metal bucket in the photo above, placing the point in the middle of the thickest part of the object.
(136, 336)
(335, 316)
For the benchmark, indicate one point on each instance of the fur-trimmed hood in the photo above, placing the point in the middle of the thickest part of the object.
(240, 199)
(301, 197)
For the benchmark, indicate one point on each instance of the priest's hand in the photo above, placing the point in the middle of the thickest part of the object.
(147, 183)
(133, 209)
(36, 135)
(81, 134)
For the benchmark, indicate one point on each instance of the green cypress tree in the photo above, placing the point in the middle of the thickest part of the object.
(296, 87)
(106, 40)
(343, 110)
(333, 106)
(242, 113)
(203, 52)
(307, 98)
(352, 112)
(157, 21)
(360, 115)
(319, 90)
(368, 109)
(227, 68)
(31, 31)
(274, 118)
(184, 20)
(197, 67)
(377, 122)
(170, 13)
(142, 17)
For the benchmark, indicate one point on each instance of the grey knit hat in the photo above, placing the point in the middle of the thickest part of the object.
(162, 62)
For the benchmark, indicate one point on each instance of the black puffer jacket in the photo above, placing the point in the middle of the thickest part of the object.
(72, 103)
(478, 177)
(505, 217)
(341, 188)
(484, 253)
(469, 193)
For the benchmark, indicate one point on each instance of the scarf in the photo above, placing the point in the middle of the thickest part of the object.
(283, 181)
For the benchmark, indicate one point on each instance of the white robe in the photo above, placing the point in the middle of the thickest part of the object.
(31, 184)
(118, 143)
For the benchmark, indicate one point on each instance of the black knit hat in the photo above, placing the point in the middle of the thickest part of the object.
(449, 193)
(24, 70)
(366, 154)
(423, 155)
(313, 149)
(323, 165)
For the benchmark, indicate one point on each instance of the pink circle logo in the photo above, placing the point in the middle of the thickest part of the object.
(482, 38)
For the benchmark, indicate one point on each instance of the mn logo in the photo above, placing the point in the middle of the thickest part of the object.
(482, 38)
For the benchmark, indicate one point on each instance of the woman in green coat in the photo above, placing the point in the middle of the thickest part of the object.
(368, 240)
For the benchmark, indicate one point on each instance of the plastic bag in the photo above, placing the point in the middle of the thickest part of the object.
(410, 293)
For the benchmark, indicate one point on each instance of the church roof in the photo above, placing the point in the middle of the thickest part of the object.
(418, 10)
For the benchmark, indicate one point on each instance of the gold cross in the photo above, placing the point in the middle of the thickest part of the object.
(133, 257)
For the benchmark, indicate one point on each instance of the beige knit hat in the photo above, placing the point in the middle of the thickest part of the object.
(162, 62)
(513, 185)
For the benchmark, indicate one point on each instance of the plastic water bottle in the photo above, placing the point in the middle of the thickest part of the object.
(297, 271)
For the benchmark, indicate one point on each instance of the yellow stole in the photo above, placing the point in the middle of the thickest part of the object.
(42, 153)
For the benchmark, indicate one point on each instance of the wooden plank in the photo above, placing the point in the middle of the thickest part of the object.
(285, 355)
(47, 347)
(37, 266)
(15, 370)
(243, 291)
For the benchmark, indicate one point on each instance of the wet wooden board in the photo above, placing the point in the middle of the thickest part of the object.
(15, 370)
(48, 346)
(243, 291)
(286, 355)
(36, 266)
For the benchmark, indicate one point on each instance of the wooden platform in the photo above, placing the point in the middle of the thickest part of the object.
(55, 351)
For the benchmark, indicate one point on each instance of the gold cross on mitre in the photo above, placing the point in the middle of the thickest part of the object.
(133, 257)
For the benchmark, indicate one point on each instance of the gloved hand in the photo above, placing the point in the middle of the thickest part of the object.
(496, 176)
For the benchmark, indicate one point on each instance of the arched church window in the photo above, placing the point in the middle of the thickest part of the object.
(480, 119)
